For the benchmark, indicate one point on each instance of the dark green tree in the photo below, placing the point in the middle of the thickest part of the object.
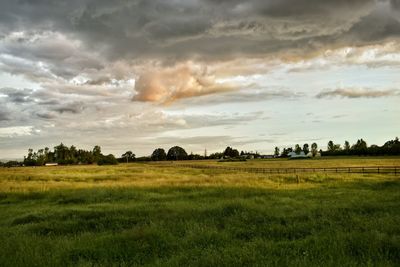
(159, 155)
(360, 148)
(176, 153)
(230, 152)
(346, 146)
(128, 156)
(276, 152)
(331, 146)
(314, 149)
(29, 160)
(306, 148)
(297, 149)
(60, 153)
(107, 160)
(96, 153)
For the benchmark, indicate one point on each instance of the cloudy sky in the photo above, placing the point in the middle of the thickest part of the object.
(141, 74)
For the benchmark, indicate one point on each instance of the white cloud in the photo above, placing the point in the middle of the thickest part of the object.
(17, 131)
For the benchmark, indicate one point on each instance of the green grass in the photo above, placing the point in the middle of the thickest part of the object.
(139, 214)
(323, 162)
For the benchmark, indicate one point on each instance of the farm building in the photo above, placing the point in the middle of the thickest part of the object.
(295, 155)
(51, 164)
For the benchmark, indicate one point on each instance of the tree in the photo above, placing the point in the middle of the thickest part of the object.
(29, 160)
(286, 151)
(276, 152)
(391, 147)
(194, 157)
(314, 149)
(40, 160)
(230, 152)
(159, 154)
(360, 148)
(128, 156)
(96, 153)
(216, 155)
(60, 153)
(176, 153)
(306, 148)
(297, 149)
(72, 155)
(336, 147)
(346, 145)
(331, 146)
(107, 160)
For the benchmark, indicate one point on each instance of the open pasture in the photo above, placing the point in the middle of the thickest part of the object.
(157, 215)
(323, 162)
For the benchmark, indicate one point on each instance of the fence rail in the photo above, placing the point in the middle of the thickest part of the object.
(370, 169)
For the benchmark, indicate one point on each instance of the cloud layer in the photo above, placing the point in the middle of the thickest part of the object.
(357, 93)
(170, 84)
(100, 65)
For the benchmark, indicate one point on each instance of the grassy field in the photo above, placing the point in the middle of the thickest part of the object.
(153, 215)
(324, 162)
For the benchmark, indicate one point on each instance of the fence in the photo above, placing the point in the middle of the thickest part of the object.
(370, 169)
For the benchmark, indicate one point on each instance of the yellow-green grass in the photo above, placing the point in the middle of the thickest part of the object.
(153, 215)
(322, 162)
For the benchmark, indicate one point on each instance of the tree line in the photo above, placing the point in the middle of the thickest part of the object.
(65, 155)
(360, 148)
(391, 147)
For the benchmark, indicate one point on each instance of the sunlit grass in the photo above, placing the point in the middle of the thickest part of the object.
(153, 215)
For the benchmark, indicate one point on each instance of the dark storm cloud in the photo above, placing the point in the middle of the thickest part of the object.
(395, 4)
(357, 93)
(17, 96)
(56, 41)
(28, 96)
(375, 27)
(4, 115)
(176, 29)
(79, 51)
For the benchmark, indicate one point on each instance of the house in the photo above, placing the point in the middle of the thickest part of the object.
(293, 155)
(51, 164)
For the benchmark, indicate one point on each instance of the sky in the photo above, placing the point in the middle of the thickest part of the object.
(202, 74)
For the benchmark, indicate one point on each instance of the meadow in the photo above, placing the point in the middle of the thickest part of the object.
(142, 214)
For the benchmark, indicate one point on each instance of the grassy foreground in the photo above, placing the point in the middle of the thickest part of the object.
(141, 214)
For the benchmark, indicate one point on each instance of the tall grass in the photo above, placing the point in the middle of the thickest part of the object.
(140, 215)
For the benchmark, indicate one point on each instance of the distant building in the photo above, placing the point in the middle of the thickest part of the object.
(293, 155)
(267, 156)
(51, 164)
